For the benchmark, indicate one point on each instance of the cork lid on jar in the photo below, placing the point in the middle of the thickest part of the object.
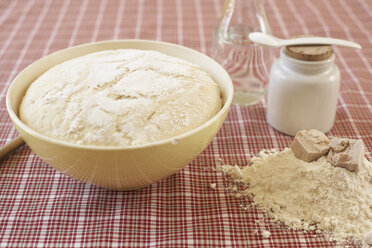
(309, 52)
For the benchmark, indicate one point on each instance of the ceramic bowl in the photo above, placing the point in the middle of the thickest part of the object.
(120, 168)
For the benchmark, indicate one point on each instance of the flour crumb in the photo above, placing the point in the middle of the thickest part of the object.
(244, 207)
(233, 170)
(266, 234)
(213, 185)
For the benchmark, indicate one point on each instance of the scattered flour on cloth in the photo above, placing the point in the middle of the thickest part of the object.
(309, 196)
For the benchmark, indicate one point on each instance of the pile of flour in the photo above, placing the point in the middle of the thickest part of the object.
(309, 196)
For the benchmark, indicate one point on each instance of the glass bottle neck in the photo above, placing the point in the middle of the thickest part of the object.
(244, 15)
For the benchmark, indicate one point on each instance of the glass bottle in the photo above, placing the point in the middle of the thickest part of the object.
(247, 63)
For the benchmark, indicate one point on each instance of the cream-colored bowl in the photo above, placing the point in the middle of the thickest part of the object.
(120, 168)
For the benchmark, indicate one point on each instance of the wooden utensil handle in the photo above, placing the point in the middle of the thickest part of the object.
(16, 142)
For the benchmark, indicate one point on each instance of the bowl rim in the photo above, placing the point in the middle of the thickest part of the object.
(27, 129)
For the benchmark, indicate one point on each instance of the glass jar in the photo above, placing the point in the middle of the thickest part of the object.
(247, 63)
(303, 94)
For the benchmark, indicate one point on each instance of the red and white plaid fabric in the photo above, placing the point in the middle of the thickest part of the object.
(40, 207)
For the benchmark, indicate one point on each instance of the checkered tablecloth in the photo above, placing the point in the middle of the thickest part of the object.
(40, 207)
